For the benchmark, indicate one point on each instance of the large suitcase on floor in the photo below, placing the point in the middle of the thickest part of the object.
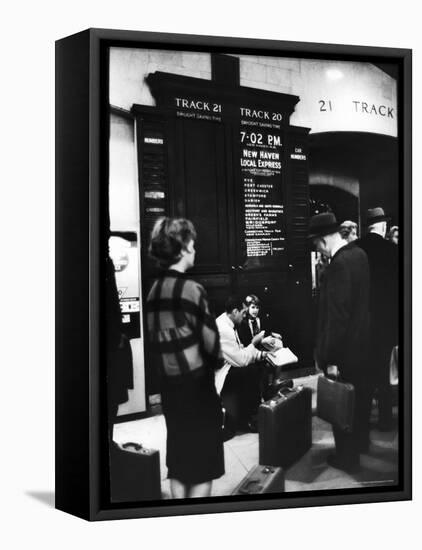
(134, 473)
(285, 427)
(336, 403)
(261, 479)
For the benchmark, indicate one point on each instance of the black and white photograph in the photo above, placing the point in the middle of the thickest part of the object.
(210, 307)
(253, 298)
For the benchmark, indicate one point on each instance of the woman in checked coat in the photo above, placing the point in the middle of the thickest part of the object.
(185, 342)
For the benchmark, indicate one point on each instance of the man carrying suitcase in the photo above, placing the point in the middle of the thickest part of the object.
(343, 330)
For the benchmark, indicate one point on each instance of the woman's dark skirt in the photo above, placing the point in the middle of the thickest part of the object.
(193, 414)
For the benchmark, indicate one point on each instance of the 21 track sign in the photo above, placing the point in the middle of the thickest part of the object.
(327, 105)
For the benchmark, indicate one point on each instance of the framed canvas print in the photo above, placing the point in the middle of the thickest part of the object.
(233, 286)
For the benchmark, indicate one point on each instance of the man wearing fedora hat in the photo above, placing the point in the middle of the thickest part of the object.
(343, 329)
(383, 306)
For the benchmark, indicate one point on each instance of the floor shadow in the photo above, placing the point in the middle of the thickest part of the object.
(310, 467)
(45, 497)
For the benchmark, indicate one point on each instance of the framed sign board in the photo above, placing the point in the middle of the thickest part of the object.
(224, 155)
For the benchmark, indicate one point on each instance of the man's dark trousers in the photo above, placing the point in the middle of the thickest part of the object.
(241, 394)
(384, 312)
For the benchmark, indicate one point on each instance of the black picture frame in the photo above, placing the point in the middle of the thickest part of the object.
(81, 175)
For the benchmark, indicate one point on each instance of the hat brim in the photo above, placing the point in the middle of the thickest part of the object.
(323, 231)
(378, 219)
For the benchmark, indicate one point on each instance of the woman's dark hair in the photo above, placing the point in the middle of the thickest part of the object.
(169, 237)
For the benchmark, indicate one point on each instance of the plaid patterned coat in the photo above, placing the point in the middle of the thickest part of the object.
(182, 332)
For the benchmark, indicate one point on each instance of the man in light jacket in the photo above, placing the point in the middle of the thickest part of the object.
(239, 380)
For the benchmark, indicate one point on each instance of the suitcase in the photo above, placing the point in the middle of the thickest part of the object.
(134, 473)
(336, 403)
(260, 480)
(285, 427)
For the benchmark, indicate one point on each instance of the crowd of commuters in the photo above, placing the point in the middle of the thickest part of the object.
(214, 372)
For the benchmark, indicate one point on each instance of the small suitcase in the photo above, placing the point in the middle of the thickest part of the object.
(285, 427)
(134, 473)
(261, 479)
(336, 403)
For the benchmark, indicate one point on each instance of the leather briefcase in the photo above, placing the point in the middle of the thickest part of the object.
(285, 427)
(134, 473)
(261, 479)
(336, 403)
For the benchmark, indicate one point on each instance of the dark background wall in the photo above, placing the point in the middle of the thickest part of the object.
(354, 171)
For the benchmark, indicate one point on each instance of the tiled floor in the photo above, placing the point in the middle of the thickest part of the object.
(311, 472)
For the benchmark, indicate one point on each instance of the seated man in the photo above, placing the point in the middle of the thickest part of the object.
(239, 379)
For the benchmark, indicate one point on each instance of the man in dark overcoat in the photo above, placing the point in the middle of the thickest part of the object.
(343, 330)
(383, 307)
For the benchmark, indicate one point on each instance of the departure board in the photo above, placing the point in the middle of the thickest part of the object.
(261, 179)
